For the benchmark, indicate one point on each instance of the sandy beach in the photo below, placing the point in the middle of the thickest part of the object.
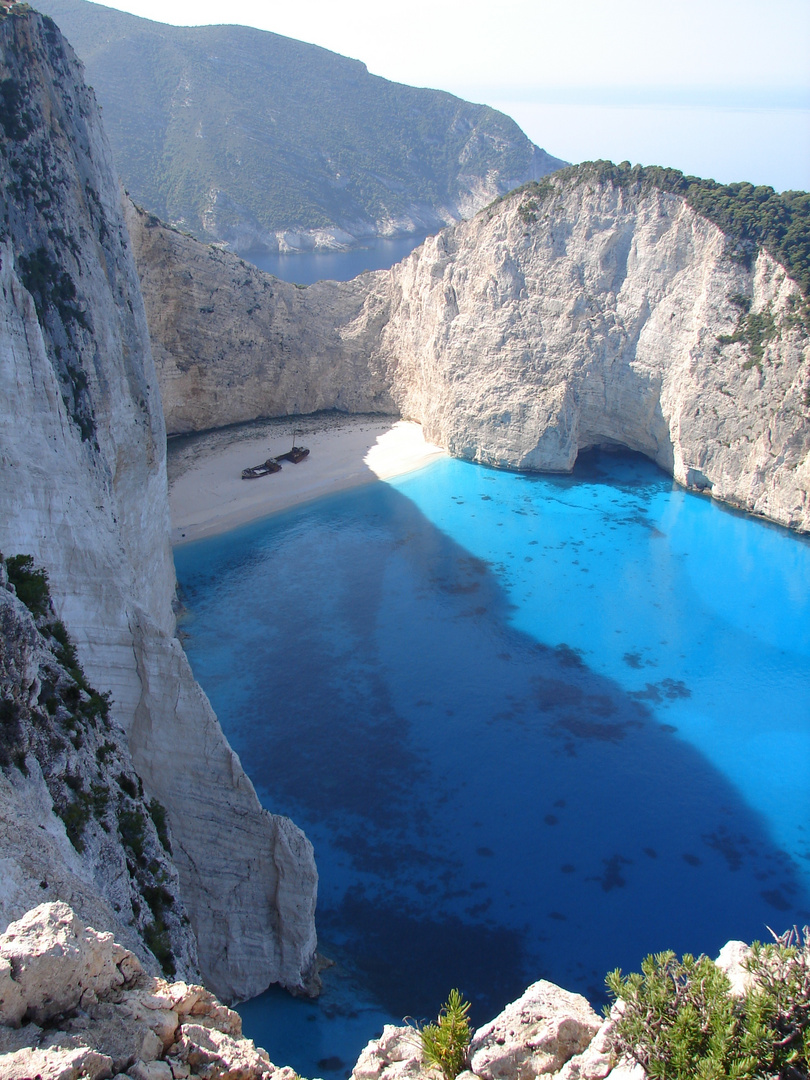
(207, 494)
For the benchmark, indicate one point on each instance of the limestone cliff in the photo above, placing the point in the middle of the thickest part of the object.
(82, 445)
(578, 313)
(232, 343)
(592, 314)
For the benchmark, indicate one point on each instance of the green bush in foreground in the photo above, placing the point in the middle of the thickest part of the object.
(681, 1022)
(445, 1043)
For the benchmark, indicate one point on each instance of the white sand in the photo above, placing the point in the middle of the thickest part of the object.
(207, 494)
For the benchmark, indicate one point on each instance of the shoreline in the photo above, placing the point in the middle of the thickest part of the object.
(207, 495)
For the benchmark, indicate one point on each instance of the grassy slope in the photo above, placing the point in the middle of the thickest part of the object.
(295, 136)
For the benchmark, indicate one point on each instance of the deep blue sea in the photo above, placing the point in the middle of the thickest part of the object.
(534, 726)
(306, 267)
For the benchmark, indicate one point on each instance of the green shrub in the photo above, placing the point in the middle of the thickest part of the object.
(100, 794)
(156, 936)
(158, 898)
(127, 785)
(11, 735)
(681, 1022)
(75, 816)
(31, 585)
(159, 816)
(781, 971)
(66, 653)
(132, 829)
(445, 1043)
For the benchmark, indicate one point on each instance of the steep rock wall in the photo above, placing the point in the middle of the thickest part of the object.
(232, 343)
(75, 824)
(591, 315)
(84, 491)
(575, 314)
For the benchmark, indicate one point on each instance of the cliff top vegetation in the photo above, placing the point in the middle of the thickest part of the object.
(753, 216)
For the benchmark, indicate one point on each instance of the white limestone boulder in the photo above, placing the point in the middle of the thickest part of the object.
(535, 1035)
(57, 963)
(396, 1055)
(731, 961)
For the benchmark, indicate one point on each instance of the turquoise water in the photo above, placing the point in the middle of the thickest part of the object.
(534, 726)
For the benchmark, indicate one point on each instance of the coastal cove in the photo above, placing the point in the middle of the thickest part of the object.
(307, 267)
(532, 724)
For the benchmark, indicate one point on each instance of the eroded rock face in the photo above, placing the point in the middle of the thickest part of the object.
(82, 440)
(232, 343)
(591, 315)
(75, 823)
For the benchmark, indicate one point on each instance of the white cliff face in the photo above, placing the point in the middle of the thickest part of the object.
(82, 445)
(585, 315)
(591, 316)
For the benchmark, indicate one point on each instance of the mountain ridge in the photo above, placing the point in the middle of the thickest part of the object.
(255, 140)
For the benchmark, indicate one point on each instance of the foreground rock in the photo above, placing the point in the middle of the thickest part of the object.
(76, 1004)
(84, 492)
(73, 1003)
(536, 1034)
(548, 1032)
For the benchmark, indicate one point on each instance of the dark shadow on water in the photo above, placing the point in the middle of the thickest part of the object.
(487, 809)
(396, 946)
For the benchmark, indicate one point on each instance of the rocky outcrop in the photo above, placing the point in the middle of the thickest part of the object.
(75, 823)
(232, 343)
(82, 442)
(536, 1034)
(574, 314)
(547, 1032)
(76, 1004)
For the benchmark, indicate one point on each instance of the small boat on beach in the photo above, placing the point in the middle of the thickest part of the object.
(267, 467)
(298, 453)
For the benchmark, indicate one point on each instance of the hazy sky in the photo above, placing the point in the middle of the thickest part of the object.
(709, 86)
